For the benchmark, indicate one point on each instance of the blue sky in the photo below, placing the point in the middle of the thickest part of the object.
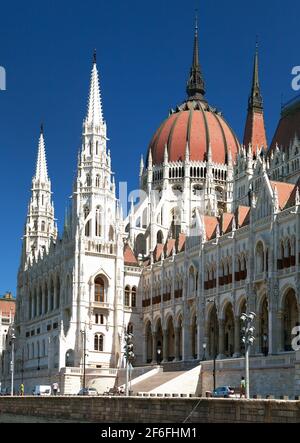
(144, 52)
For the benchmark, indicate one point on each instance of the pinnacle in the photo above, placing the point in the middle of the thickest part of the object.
(41, 173)
(94, 114)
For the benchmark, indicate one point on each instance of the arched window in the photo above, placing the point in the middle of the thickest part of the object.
(130, 328)
(98, 342)
(99, 290)
(98, 222)
(88, 180)
(43, 224)
(97, 181)
(97, 151)
(133, 297)
(86, 211)
(127, 296)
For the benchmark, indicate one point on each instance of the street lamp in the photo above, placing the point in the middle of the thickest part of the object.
(158, 355)
(204, 349)
(129, 356)
(12, 363)
(248, 339)
(83, 332)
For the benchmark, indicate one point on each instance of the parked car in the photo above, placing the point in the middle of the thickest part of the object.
(4, 391)
(224, 392)
(88, 391)
(41, 390)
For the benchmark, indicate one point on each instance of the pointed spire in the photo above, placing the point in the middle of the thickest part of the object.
(187, 152)
(41, 164)
(94, 114)
(166, 154)
(195, 86)
(150, 159)
(255, 99)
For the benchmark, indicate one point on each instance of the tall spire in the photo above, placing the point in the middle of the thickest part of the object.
(94, 114)
(255, 132)
(195, 86)
(41, 172)
(255, 99)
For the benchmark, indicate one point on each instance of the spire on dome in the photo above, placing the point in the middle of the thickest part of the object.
(255, 132)
(255, 99)
(195, 86)
(94, 114)
(41, 173)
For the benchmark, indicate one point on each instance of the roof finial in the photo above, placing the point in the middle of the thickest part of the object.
(255, 99)
(95, 57)
(195, 85)
(42, 128)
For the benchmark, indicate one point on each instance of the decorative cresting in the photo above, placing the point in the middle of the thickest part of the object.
(194, 124)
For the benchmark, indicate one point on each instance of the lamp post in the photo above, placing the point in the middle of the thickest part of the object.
(214, 343)
(12, 363)
(248, 339)
(204, 349)
(129, 356)
(158, 355)
(83, 332)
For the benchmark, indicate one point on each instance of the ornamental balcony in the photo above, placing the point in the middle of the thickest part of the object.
(98, 246)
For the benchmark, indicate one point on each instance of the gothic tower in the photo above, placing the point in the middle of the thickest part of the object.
(40, 227)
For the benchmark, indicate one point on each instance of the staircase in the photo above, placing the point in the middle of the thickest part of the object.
(155, 381)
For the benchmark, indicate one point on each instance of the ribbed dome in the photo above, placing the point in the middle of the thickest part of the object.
(199, 125)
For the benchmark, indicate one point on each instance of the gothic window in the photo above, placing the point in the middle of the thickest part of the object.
(99, 319)
(86, 211)
(127, 296)
(87, 225)
(97, 181)
(98, 342)
(133, 297)
(98, 222)
(88, 180)
(43, 224)
(90, 147)
(97, 144)
(35, 225)
(99, 290)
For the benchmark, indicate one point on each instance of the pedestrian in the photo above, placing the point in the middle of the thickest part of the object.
(243, 388)
(21, 389)
(55, 388)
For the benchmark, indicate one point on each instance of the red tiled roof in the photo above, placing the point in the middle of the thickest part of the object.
(210, 224)
(284, 190)
(242, 216)
(129, 257)
(168, 249)
(255, 131)
(226, 222)
(158, 251)
(288, 126)
(7, 307)
(199, 126)
(181, 242)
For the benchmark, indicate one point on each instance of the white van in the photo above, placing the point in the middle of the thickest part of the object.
(42, 390)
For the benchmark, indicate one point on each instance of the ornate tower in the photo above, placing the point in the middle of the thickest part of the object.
(255, 132)
(94, 187)
(40, 227)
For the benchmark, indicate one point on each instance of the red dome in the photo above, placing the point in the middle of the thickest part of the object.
(198, 124)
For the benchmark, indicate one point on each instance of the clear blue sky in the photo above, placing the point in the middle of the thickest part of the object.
(144, 52)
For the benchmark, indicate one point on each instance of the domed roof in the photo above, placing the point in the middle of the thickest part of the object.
(289, 125)
(199, 125)
(194, 123)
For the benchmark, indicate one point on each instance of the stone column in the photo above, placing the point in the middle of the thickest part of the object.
(186, 342)
(237, 337)
(280, 332)
(221, 339)
(38, 304)
(49, 298)
(154, 351)
(176, 344)
(55, 297)
(32, 305)
(165, 345)
(43, 299)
